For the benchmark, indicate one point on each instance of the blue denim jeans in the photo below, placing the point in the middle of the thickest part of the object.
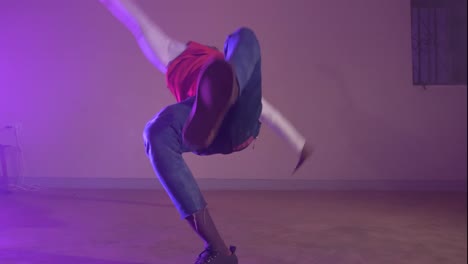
(163, 134)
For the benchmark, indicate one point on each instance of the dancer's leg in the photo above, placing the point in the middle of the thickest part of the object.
(217, 91)
(243, 51)
(164, 147)
(157, 46)
(241, 125)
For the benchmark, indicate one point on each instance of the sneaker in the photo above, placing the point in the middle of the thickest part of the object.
(217, 91)
(212, 257)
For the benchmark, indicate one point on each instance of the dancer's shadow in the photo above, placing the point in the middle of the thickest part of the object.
(55, 195)
(8, 256)
(24, 210)
(20, 214)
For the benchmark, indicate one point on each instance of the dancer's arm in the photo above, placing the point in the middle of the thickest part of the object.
(157, 46)
(282, 126)
(275, 120)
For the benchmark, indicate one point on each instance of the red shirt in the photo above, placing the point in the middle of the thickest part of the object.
(182, 73)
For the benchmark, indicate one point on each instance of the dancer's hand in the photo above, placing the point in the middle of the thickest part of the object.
(305, 154)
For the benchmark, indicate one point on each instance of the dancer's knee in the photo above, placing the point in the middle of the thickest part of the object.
(248, 35)
(245, 39)
(164, 130)
(156, 133)
(246, 32)
(152, 135)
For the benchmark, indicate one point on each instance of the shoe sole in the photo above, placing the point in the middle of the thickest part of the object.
(216, 93)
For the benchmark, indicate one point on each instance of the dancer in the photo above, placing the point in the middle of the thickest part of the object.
(219, 110)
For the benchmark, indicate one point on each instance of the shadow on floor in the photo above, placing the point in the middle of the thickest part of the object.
(22, 256)
(91, 198)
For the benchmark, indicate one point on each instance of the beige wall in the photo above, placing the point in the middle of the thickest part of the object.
(340, 70)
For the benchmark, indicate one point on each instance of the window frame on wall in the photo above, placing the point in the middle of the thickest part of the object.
(438, 38)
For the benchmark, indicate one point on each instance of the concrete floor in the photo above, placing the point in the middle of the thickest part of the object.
(141, 227)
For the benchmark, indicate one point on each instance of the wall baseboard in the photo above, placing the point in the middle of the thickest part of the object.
(250, 184)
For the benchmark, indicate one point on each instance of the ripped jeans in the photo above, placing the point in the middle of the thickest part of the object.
(163, 134)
